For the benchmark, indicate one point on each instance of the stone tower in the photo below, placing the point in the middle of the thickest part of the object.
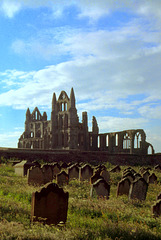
(64, 122)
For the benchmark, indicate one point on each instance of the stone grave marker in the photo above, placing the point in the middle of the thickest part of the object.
(85, 172)
(22, 167)
(49, 205)
(137, 176)
(73, 172)
(146, 175)
(159, 196)
(95, 178)
(152, 178)
(116, 169)
(101, 188)
(123, 187)
(35, 176)
(56, 169)
(62, 178)
(48, 173)
(156, 209)
(138, 189)
(106, 175)
(158, 168)
(130, 176)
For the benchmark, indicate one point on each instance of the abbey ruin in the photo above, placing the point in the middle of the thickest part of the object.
(65, 132)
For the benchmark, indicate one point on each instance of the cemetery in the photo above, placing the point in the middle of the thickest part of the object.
(80, 200)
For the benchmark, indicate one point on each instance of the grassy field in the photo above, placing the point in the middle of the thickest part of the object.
(116, 218)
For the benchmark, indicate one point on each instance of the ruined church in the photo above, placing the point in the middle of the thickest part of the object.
(65, 132)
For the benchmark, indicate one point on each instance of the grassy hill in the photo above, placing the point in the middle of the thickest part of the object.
(88, 218)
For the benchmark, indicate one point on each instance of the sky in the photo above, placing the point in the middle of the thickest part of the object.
(109, 51)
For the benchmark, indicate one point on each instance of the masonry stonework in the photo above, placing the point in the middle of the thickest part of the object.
(65, 132)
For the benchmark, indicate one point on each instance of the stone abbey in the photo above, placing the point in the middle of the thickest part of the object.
(65, 132)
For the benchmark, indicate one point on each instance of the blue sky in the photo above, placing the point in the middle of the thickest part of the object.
(109, 51)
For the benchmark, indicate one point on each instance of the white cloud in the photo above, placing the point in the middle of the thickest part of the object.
(10, 8)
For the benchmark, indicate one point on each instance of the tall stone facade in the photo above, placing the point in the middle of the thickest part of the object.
(65, 132)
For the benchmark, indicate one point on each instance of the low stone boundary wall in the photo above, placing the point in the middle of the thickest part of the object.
(80, 156)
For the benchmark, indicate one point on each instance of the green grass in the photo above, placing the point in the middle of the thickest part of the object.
(88, 218)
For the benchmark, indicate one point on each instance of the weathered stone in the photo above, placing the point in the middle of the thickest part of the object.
(146, 175)
(159, 196)
(35, 176)
(116, 169)
(62, 178)
(101, 188)
(130, 176)
(123, 187)
(106, 175)
(56, 169)
(48, 173)
(22, 167)
(73, 172)
(152, 178)
(138, 189)
(49, 205)
(158, 168)
(85, 172)
(95, 178)
(137, 176)
(156, 209)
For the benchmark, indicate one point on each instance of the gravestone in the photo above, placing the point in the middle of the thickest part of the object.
(101, 188)
(158, 168)
(35, 176)
(123, 187)
(116, 169)
(95, 178)
(146, 175)
(138, 189)
(137, 176)
(106, 175)
(73, 172)
(48, 173)
(49, 205)
(130, 176)
(56, 169)
(22, 167)
(156, 209)
(159, 196)
(62, 178)
(152, 178)
(142, 170)
(85, 172)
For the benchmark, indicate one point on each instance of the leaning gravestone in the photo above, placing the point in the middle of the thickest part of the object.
(49, 205)
(156, 209)
(101, 188)
(85, 172)
(62, 178)
(123, 187)
(138, 189)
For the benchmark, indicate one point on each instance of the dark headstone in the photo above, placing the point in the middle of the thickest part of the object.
(123, 187)
(49, 205)
(101, 188)
(138, 189)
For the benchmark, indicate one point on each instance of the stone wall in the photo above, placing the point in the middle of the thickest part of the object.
(80, 156)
